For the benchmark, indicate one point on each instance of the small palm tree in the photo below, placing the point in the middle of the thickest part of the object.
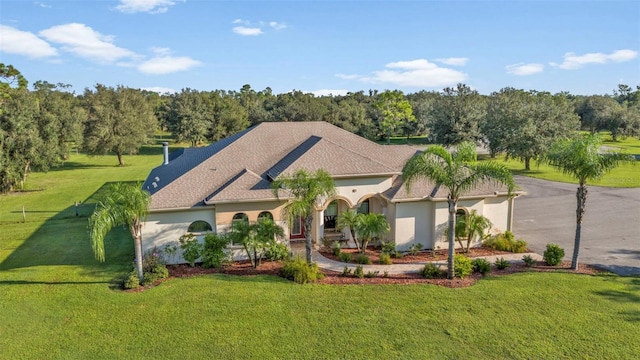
(369, 226)
(458, 171)
(349, 218)
(581, 158)
(471, 226)
(121, 204)
(255, 237)
(306, 192)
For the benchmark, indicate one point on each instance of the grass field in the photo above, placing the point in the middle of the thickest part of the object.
(58, 302)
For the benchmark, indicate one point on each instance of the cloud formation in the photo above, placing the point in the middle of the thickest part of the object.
(148, 6)
(14, 41)
(573, 61)
(523, 69)
(247, 31)
(160, 90)
(418, 73)
(83, 41)
(248, 28)
(454, 61)
(161, 65)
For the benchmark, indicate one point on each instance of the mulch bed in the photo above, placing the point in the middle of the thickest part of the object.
(423, 256)
(243, 268)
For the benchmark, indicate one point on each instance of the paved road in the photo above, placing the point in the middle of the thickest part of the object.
(610, 231)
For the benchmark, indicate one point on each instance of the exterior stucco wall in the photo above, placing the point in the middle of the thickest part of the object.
(413, 224)
(359, 188)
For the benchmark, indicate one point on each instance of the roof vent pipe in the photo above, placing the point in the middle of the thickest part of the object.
(165, 153)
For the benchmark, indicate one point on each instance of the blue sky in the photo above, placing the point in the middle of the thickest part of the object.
(584, 47)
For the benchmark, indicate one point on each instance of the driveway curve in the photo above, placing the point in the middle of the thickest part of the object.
(610, 230)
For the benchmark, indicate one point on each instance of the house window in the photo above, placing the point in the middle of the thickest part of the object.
(199, 226)
(240, 217)
(461, 214)
(265, 215)
(364, 207)
(330, 215)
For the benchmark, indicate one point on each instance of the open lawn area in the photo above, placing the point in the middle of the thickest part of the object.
(57, 301)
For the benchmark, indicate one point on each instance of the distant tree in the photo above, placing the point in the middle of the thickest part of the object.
(190, 116)
(583, 159)
(305, 191)
(459, 172)
(10, 77)
(457, 114)
(120, 120)
(121, 204)
(596, 111)
(395, 110)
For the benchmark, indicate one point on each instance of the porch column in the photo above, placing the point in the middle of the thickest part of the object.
(317, 228)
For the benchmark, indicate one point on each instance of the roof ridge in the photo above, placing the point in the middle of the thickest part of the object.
(359, 154)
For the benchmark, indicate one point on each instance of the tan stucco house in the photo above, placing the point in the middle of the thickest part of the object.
(205, 189)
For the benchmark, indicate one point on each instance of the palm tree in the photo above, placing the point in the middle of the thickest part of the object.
(470, 226)
(369, 226)
(458, 171)
(306, 192)
(581, 158)
(121, 204)
(349, 218)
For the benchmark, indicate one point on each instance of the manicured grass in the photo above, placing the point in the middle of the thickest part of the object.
(57, 301)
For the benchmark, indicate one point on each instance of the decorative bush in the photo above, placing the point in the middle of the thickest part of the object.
(462, 266)
(346, 271)
(335, 248)
(397, 254)
(506, 242)
(131, 281)
(371, 274)
(528, 261)
(430, 271)
(482, 266)
(502, 264)
(363, 259)
(385, 259)
(385, 274)
(415, 249)
(171, 250)
(345, 257)
(300, 272)
(156, 273)
(359, 272)
(387, 247)
(215, 252)
(277, 251)
(553, 254)
(191, 248)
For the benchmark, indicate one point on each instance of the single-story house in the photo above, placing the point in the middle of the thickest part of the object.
(205, 189)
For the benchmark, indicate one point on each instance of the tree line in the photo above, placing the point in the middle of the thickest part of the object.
(40, 127)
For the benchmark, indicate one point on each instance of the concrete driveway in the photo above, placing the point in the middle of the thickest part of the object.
(610, 230)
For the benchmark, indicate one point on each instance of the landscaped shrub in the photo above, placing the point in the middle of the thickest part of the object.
(359, 272)
(502, 264)
(371, 274)
(430, 271)
(346, 271)
(462, 266)
(191, 248)
(363, 259)
(335, 248)
(156, 273)
(387, 247)
(506, 242)
(385, 259)
(300, 271)
(482, 266)
(277, 251)
(553, 254)
(528, 261)
(397, 254)
(415, 249)
(345, 257)
(151, 258)
(170, 250)
(215, 251)
(131, 280)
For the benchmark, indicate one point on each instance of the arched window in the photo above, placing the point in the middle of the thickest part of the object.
(199, 226)
(461, 214)
(240, 217)
(364, 207)
(265, 215)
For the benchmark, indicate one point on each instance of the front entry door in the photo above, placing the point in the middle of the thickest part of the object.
(297, 229)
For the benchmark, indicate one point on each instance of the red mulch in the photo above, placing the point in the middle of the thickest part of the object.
(423, 256)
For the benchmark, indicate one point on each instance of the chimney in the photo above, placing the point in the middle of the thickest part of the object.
(165, 153)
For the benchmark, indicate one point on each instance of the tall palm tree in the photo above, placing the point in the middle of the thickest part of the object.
(581, 158)
(470, 226)
(121, 204)
(369, 226)
(459, 171)
(306, 192)
(349, 218)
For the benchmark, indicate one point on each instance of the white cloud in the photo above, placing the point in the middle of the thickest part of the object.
(43, 5)
(83, 41)
(573, 61)
(524, 69)
(149, 6)
(328, 92)
(160, 89)
(160, 65)
(454, 61)
(161, 51)
(14, 41)
(413, 73)
(240, 21)
(278, 26)
(247, 31)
